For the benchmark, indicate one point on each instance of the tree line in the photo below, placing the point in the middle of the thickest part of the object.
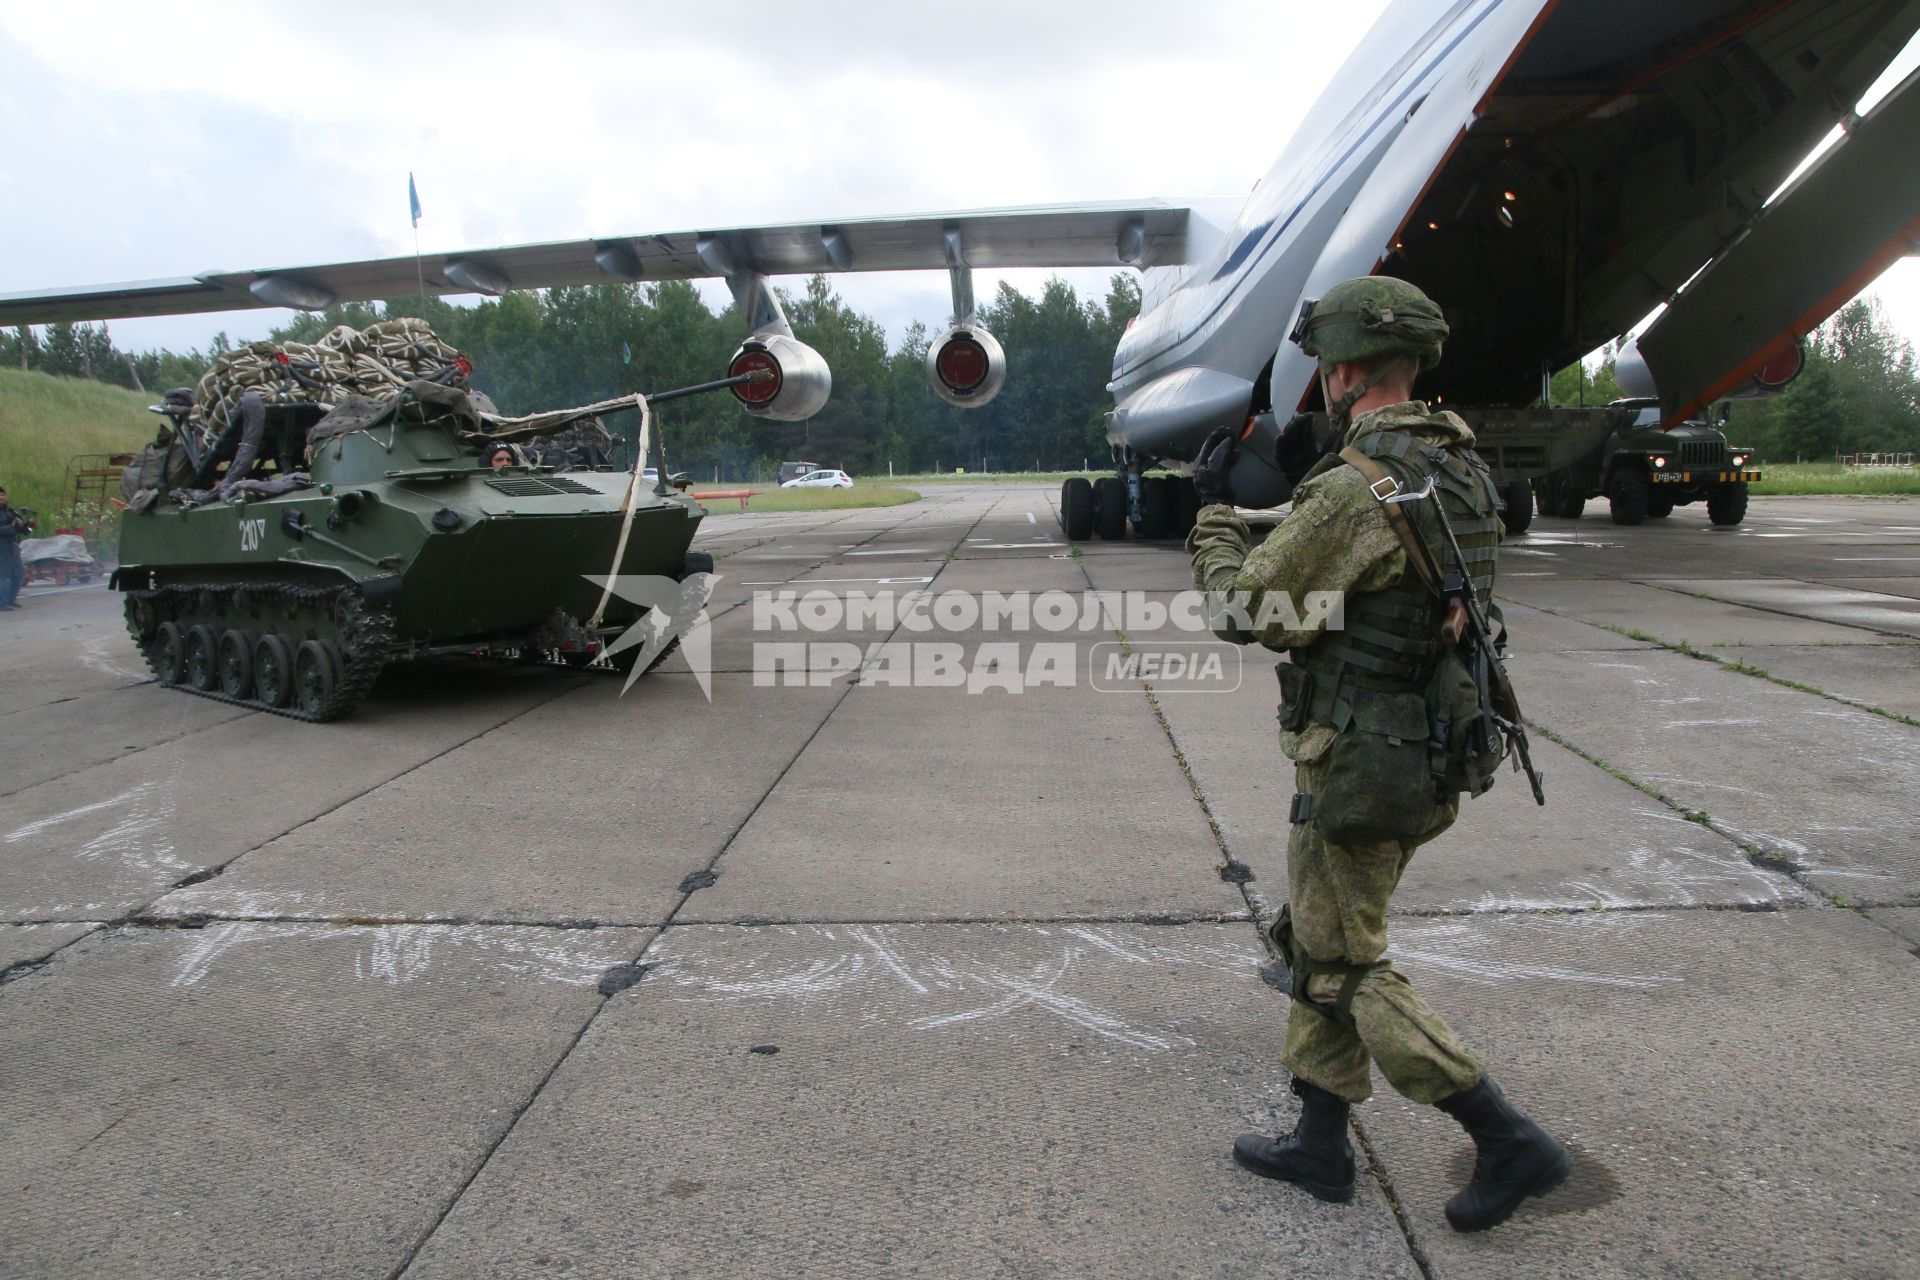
(1859, 392)
(576, 345)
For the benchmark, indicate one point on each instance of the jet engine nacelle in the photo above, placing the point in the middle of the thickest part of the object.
(800, 384)
(1780, 368)
(966, 366)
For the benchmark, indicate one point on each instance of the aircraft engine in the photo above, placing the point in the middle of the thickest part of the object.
(966, 366)
(801, 379)
(1771, 378)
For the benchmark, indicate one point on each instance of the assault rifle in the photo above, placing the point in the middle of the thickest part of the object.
(1466, 620)
(1486, 663)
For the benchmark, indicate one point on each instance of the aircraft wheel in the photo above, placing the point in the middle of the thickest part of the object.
(203, 670)
(1110, 508)
(236, 664)
(1518, 495)
(1186, 506)
(1727, 505)
(1076, 508)
(1627, 496)
(273, 671)
(1156, 509)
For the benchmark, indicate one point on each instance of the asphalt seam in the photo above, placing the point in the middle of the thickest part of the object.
(606, 997)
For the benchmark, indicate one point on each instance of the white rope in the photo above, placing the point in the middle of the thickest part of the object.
(626, 509)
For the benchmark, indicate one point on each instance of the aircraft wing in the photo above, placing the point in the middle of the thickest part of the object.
(1139, 233)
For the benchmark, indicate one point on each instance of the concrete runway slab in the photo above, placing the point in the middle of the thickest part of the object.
(1672, 615)
(43, 743)
(974, 807)
(266, 1099)
(1874, 675)
(926, 1101)
(1736, 1089)
(1904, 921)
(1846, 606)
(29, 943)
(1825, 788)
(615, 801)
(207, 1087)
(101, 842)
(1597, 843)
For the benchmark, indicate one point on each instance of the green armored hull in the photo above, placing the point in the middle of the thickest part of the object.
(401, 544)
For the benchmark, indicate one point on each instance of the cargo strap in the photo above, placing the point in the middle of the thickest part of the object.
(1301, 967)
(1384, 486)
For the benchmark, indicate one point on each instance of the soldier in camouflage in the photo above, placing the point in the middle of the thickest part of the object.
(1374, 717)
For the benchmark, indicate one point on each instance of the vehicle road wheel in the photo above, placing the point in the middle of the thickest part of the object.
(316, 672)
(1659, 506)
(1186, 506)
(1569, 503)
(1627, 495)
(169, 654)
(203, 662)
(1156, 508)
(1727, 505)
(236, 664)
(1076, 508)
(273, 671)
(1519, 511)
(1110, 508)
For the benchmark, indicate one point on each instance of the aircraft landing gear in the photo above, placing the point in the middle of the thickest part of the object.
(1157, 507)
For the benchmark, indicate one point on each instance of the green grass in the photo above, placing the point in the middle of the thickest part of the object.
(771, 500)
(981, 477)
(45, 421)
(1830, 477)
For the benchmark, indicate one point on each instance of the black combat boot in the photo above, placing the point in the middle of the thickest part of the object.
(1317, 1155)
(1517, 1158)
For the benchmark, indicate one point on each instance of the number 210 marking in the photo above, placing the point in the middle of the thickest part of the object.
(251, 531)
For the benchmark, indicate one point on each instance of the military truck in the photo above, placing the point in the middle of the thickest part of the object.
(1645, 472)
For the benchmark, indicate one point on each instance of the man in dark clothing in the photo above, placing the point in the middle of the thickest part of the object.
(13, 572)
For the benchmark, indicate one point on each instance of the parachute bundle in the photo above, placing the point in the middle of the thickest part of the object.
(376, 361)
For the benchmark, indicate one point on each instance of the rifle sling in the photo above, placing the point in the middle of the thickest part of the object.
(1384, 486)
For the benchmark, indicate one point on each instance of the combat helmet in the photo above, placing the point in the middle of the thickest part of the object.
(1370, 317)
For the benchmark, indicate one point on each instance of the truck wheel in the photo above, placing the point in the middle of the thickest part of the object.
(1076, 508)
(1627, 495)
(1110, 508)
(1156, 509)
(1518, 495)
(1727, 505)
(1558, 497)
(1659, 506)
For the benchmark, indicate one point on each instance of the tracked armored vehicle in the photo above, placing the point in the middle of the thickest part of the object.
(289, 590)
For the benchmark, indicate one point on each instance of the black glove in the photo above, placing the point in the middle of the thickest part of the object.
(1210, 468)
(1296, 450)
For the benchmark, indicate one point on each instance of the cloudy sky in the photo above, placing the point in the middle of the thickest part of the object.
(143, 141)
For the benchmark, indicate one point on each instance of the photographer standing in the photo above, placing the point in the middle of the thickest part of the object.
(13, 572)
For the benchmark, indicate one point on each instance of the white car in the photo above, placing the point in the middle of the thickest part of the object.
(821, 480)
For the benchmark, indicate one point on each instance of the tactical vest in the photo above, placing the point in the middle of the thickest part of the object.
(1399, 698)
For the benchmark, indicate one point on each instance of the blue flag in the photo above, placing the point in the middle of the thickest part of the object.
(626, 354)
(413, 200)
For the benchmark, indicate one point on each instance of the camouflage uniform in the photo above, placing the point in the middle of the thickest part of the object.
(1337, 538)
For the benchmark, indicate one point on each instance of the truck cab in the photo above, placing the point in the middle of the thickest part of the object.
(1645, 472)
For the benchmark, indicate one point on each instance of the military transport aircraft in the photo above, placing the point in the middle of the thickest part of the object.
(1551, 170)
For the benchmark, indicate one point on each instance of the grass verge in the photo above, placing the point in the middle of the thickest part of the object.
(981, 477)
(45, 421)
(1828, 477)
(775, 500)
